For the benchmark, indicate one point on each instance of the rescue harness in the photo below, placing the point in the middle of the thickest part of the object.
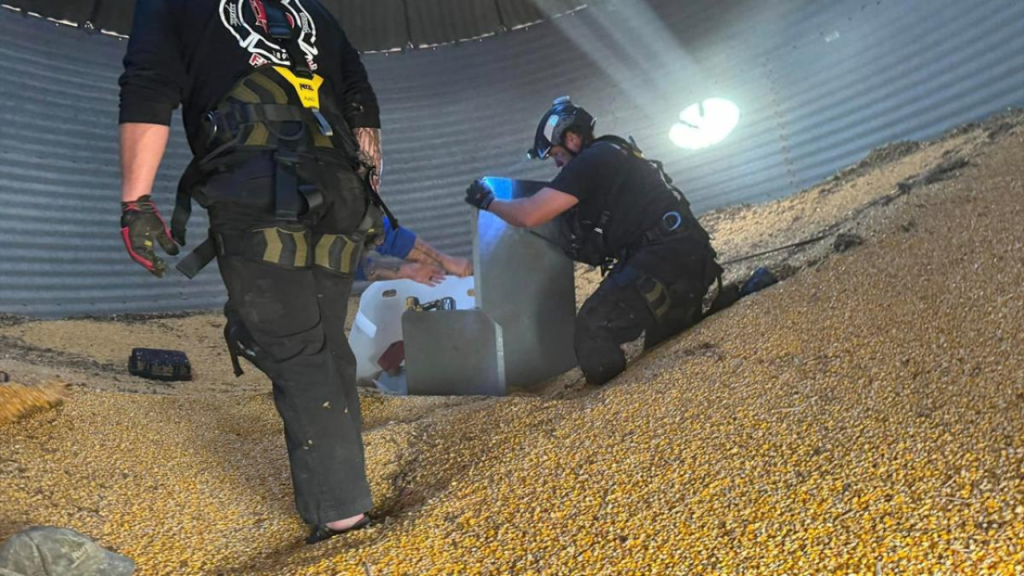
(585, 239)
(281, 119)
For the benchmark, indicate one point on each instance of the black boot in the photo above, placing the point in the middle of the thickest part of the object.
(321, 532)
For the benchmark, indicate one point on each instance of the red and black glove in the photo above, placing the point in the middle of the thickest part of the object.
(140, 224)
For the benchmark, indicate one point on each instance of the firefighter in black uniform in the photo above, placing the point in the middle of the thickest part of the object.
(285, 131)
(619, 211)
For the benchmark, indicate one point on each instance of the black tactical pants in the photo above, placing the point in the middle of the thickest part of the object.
(659, 292)
(294, 327)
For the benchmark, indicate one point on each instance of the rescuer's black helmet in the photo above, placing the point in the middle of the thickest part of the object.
(562, 116)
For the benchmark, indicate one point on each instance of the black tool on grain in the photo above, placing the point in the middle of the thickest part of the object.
(165, 365)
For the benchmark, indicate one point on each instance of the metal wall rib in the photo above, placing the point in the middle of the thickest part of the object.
(818, 84)
(374, 25)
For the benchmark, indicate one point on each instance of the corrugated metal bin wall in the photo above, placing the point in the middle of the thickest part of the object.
(818, 85)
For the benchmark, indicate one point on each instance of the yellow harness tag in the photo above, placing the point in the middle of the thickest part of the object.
(309, 94)
(307, 89)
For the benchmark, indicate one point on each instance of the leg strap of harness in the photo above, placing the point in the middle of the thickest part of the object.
(314, 197)
(289, 192)
(218, 244)
(286, 185)
(197, 259)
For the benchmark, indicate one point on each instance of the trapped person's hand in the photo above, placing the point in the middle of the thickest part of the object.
(371, 152)
(479, 195)
(461, 267)
(423, 273)
(141, 224)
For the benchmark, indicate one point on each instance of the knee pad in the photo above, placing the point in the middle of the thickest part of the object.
(599, 356)
(659, 298)
(600, 370)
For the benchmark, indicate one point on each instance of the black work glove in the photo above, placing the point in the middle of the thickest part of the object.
(140, 224)
(479, 195)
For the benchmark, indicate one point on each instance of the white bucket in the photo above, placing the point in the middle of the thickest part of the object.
(378, 323)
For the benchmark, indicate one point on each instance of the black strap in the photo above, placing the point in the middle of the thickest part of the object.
(254, 113)
(216, 244)
(628, 146)
(376, 199)
(313, 196)
(182, 212)
(192, 264)
(197, 171)
(183, 201)
(281, 30)
(287, 204)
(235, 364)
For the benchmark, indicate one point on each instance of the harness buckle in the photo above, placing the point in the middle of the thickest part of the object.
(211, 118)
(325, 126)
(279, 30)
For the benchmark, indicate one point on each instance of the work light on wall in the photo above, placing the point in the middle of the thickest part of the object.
(705, 123)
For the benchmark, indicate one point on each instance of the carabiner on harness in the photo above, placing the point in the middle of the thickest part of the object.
(676, 224)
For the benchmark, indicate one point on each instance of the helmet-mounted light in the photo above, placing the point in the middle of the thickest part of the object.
(562, 116)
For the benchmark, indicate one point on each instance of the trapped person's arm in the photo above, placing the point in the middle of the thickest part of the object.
(426, 254)
(406, 245)
(423, 263)
(375, 267)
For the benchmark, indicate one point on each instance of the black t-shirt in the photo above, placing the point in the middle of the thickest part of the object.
(192, 52)
(605, 177)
